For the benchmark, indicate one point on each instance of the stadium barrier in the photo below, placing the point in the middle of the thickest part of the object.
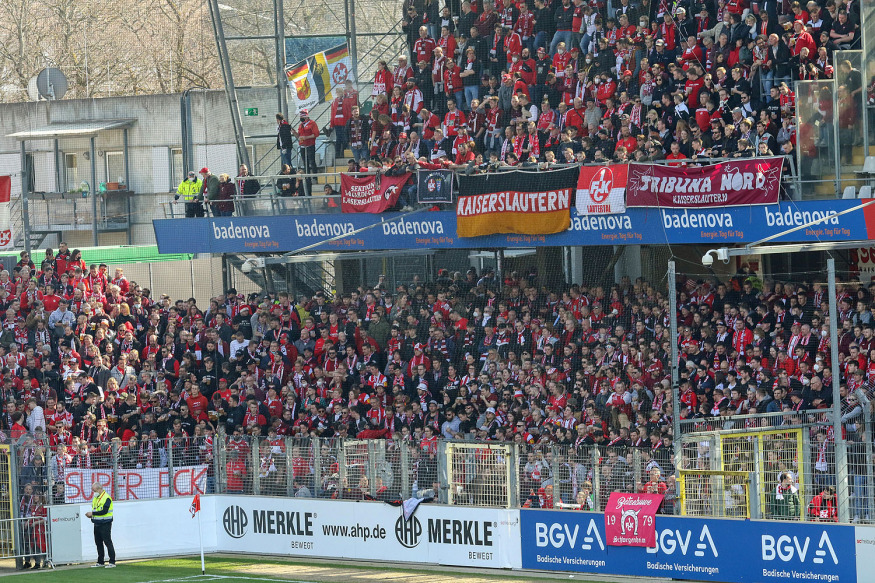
(735, 551)
(732, 551)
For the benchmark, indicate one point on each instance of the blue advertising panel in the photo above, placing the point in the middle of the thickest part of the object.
(437, 230)
(737, 551)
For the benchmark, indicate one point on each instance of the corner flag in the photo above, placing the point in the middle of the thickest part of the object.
(195, 505)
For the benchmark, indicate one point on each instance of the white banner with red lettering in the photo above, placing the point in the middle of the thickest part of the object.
(136, 484)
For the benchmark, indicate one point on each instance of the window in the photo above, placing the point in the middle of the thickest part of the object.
(177, 167)
(115, 167)
(71, 172)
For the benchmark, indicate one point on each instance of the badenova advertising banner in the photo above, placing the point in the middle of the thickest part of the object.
(437, 230)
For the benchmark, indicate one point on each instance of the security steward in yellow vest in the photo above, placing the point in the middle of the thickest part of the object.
(101, 516)
(190, 191)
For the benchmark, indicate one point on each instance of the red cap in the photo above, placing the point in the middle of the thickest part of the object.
(205, 170)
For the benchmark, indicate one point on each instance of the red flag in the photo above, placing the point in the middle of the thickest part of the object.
(195, 505)
(370, 194)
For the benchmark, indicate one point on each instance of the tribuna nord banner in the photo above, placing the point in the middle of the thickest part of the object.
(520, 202)
(741, 182)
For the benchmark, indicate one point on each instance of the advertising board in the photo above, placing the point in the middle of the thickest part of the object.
(473, 537)
(437, 230)
(737, 551)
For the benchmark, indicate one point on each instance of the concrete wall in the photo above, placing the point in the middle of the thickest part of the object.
(150, 140)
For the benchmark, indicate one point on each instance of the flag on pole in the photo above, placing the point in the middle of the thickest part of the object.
(339, 66)
(195, 505)
(301, 82)
(319, 77)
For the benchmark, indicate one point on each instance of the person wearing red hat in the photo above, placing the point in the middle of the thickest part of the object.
(209, 189)
(307, 133)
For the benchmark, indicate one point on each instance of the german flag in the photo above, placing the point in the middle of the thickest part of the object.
(297, 77)
(336, 54)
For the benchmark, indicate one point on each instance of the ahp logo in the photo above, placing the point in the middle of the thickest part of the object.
(408, 531)
(235, 521)
(786, 549)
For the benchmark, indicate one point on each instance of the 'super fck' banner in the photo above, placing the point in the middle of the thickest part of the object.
(371, 193)
(741, 182)
(630, 519)
(137, 484)
(525, 203)
(601, 190)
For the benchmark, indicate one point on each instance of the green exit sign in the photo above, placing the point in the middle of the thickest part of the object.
(250, 111)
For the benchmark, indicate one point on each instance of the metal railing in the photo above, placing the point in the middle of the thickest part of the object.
(283, 194)
(724, 472)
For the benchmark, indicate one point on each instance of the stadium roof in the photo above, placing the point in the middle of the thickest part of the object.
(80, 129)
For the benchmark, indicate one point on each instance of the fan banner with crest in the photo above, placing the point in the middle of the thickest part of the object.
(630, 519)
(315, 79)
(434, 186)
(6, 241)
(739, 182)
(370, 193)
(601, 190)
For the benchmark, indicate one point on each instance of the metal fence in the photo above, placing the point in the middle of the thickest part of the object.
(789, 459)
(764, 466)
(272, 195)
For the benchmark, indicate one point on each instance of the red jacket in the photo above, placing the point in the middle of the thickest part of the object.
(307, 133)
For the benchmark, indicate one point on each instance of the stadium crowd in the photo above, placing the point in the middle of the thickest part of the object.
(519, 82)
(92, 361)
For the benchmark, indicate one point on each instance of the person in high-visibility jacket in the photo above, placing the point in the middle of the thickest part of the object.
(190, 191)
(101, 516)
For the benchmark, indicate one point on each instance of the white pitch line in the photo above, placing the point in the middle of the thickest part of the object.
(198, 578)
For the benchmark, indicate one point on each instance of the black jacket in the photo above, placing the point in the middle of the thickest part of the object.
(284, 136)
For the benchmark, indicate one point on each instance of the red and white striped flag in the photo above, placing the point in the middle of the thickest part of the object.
(195, 505)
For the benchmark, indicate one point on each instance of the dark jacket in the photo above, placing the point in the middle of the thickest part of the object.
(284, 136)
(227, 190)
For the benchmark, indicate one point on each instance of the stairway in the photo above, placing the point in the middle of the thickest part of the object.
(296, 278)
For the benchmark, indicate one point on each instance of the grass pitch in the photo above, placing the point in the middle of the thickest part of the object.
(223, 569)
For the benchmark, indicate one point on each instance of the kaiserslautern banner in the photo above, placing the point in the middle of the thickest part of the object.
(525, 203)
(742, 182)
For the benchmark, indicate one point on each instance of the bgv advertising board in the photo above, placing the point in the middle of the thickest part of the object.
(737, 551)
